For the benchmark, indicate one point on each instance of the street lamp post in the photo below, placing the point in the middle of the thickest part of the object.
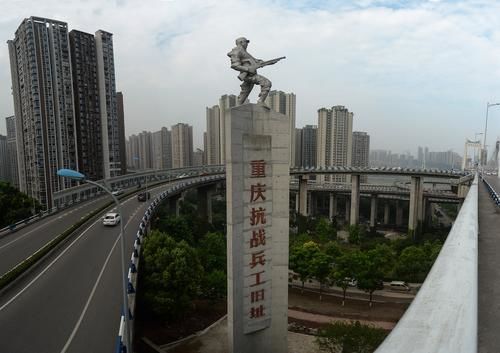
(74, 175)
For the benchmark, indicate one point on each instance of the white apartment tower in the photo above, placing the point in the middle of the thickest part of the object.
(4, 160)
(110, 126)
(226, 102)
(42, 89)
(12, 150)
(334, 139)
(360, 149)
(182, 145)
(285, 103)
(214, 141)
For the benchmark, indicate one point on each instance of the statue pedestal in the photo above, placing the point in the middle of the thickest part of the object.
(257, 184)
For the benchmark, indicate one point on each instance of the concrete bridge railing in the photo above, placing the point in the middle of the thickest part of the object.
(443, 315)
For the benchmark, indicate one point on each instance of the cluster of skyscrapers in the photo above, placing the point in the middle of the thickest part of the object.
(163, 149)
(67, 113)
(424, 159)
(331, 142)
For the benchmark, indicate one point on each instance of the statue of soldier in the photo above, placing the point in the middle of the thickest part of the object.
(247, 65)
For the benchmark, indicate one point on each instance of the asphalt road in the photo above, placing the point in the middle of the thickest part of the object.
(72, 302)
(17, 246)
(488, 273)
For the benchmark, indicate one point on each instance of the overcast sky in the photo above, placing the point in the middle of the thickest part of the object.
(413, 72)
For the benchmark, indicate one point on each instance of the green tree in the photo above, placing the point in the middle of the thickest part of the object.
(325, 231)
(372, 268)
(172, 275)
(346, 268)
(357, 234)
(214, 285)
(333, 249)
(212, 251)
(320, 269)
(300, 260)
(349, 337)
(415, 262)
(14, 204)
(179, 228)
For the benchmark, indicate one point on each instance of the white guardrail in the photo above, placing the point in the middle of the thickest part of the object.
(134, 259)
(443, 315)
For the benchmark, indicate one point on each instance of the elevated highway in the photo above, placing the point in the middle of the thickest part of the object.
(70, 302)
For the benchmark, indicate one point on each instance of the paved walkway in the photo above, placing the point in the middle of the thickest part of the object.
(489, 270)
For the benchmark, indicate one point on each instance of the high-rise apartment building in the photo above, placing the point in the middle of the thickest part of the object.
(107, 103)
(120, 114)
(162, 149)
(4, 160)
(12, 151)
(361, 151)
(87, 107)
(166, 141)
(43, 103)
(334, 139)
(214, 142)
(309, 145)
(198, 158)
(145, 155)
(100, 133)
(132, 147)
(285, 103)
(148, 150)
(65, 105)
(226, 102)
(182, 145)
(298, 148)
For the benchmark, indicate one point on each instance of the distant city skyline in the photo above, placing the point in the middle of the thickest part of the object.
(383, 59)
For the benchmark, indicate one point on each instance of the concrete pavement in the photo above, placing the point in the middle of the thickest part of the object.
(489, 270)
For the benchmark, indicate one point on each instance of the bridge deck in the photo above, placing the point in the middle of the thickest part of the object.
(488, 270)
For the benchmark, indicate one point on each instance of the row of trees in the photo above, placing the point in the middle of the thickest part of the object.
(367, 258)
(174, 273)
(183, 259)
(14, 204)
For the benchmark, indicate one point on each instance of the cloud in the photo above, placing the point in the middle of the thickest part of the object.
(394, 63)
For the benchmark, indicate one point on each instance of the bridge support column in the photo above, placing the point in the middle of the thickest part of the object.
(373, 211)
(332, 210)
(175, 203)
(429, 212)
(303, 195)
(205, 202)
(347, 209)
(387, 211)
(399, 213)
(416, 204)
(313, 204)
(354, 199)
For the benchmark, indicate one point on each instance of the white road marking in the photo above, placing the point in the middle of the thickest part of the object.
(80, 319)
(49, 266)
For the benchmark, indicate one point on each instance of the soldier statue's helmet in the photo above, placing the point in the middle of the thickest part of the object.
(241, 40)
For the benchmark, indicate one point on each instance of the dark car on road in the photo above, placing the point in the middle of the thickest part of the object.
(143, 196)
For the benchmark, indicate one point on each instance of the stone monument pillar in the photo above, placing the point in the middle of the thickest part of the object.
(257, 179)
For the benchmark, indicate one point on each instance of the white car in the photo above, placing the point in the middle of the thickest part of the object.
(111, 219)
(117, 192)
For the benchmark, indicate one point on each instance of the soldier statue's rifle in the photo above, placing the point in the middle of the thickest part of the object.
(256, 66)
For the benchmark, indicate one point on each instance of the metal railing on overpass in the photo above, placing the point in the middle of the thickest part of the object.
(142, 232)
(443, 315)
